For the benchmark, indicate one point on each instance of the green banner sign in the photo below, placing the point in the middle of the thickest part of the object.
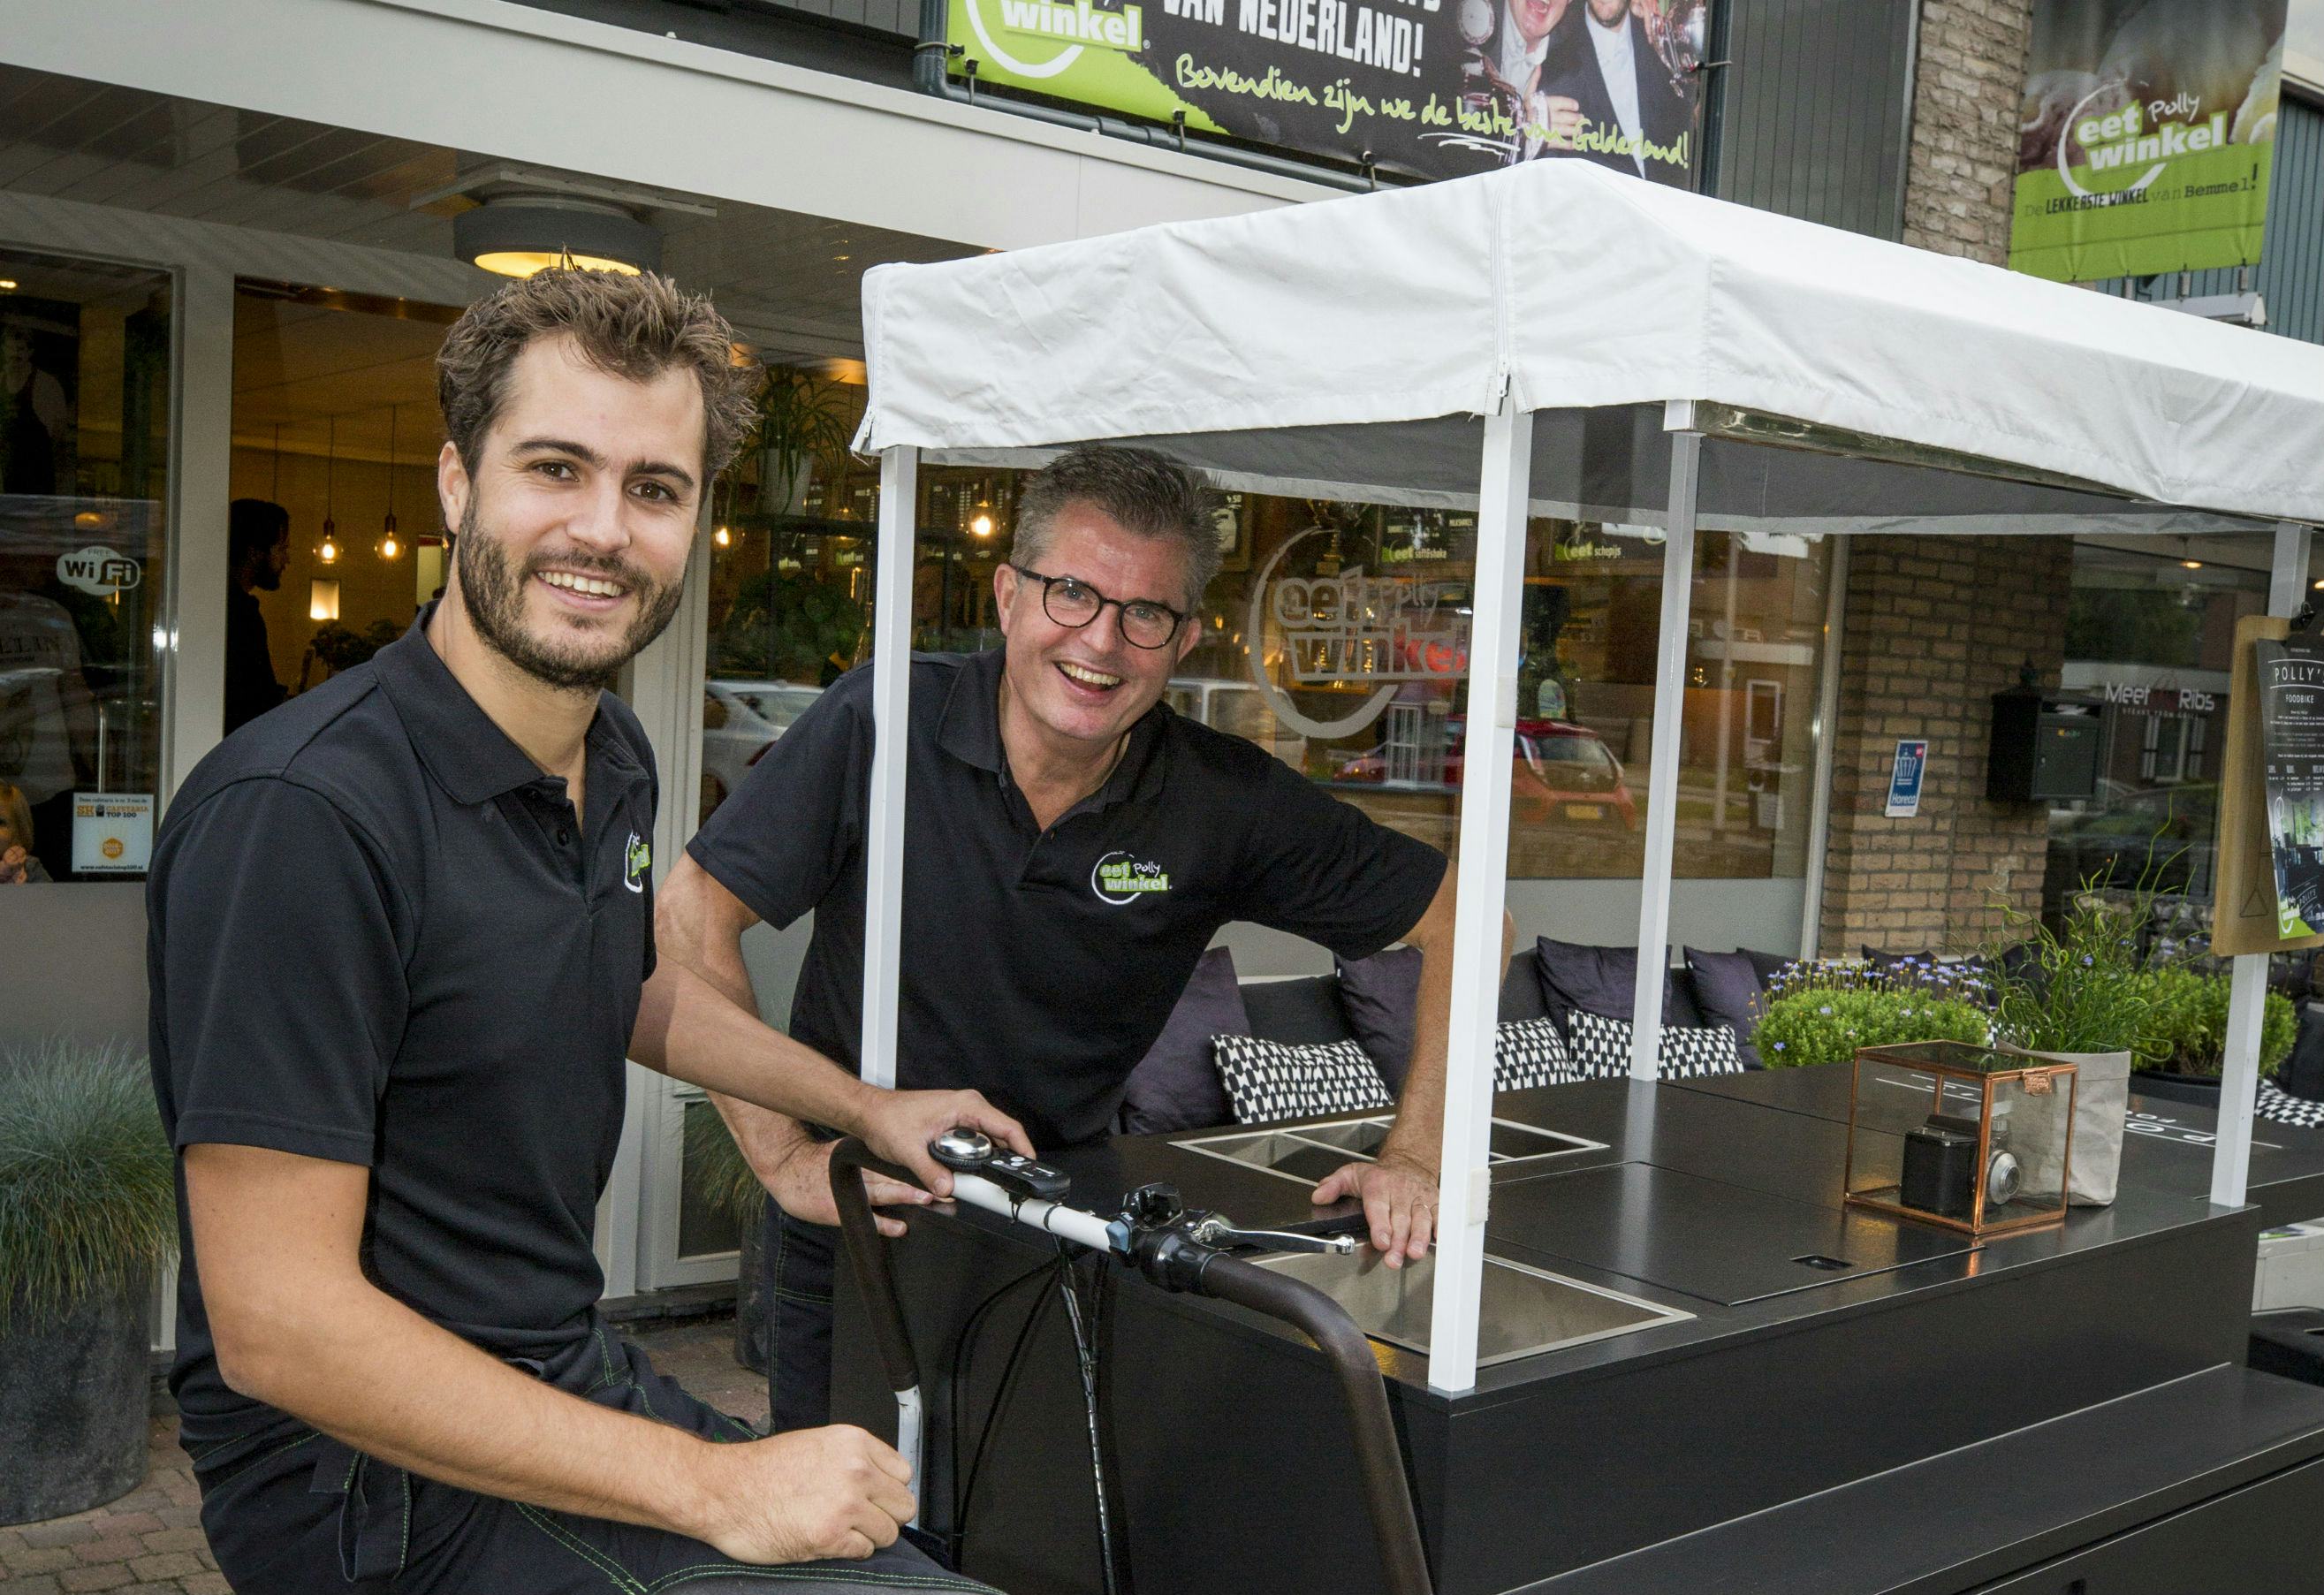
(2148, 136)
(1428, 87)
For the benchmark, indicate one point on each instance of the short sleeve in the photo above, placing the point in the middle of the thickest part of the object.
(278, 975)
(1324, 870)
(782, 839)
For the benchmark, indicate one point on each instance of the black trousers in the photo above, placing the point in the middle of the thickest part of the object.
(305, 1515)
(799, 1260)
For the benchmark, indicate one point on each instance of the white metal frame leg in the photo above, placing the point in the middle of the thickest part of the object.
(2287, 588)
(891, 698)
(1463, 1190)
(1662, 779)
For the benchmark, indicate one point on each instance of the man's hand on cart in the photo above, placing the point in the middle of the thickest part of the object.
(899, 1125)
(1400, 1196)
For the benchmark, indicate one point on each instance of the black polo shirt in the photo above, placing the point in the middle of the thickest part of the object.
(378, 935)
(1038, 966)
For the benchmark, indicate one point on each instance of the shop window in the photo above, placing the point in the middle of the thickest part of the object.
(2149, 639)
(336, 433)
(84, 607)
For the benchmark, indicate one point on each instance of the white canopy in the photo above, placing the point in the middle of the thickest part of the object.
(1578, 288)
(1560, 339)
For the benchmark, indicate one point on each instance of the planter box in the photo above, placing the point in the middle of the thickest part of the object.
(74, 1407)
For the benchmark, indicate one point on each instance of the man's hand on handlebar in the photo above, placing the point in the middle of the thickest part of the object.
(802, 1495)
(898, 1125)
(801, 1186)
(1399, 1196)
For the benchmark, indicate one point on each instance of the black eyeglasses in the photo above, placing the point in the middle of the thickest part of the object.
(1072, 601)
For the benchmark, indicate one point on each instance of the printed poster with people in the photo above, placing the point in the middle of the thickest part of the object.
(2147, 137)
(1429, 88)
(2291, 754)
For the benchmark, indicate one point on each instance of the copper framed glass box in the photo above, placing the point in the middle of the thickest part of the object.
(1970, 1138)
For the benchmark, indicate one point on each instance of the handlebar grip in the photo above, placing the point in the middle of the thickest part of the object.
(1379, 1459)
(868, 1259)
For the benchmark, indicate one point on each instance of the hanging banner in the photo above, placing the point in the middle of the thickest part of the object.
(2245, 917)
(2292, 762)
(2147, 136)
(1430, 89)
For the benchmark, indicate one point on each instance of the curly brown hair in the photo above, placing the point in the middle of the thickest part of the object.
(630, 326)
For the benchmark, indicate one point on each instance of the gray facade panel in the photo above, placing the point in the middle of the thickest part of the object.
(1812, 121)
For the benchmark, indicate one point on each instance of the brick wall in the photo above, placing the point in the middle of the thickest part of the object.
(1936, 625)
(1965, 109)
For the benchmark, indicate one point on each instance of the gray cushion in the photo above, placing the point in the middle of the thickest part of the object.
(1604, 981)
(1728, 991)
(1379, 994)
(1175, 1087)
(1300, 1011)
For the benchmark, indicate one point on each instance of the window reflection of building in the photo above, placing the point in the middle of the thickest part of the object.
(2148, 643)
(1337, 638)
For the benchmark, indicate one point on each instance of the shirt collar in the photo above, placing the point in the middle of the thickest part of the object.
(970, 731)
(469, 756)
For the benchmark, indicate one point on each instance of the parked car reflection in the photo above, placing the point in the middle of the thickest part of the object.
(1559, 774)
(740, 721)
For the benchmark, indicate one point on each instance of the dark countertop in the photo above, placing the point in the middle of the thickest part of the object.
(1700, 1196)
(2168, 1148)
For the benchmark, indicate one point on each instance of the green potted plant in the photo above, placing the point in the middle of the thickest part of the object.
(716, 1168)
(1822, 1012)
(88, 1211)
(2079, 992)
(2186, 1024)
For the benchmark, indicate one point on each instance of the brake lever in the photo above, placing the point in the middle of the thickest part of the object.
(1211, 1230)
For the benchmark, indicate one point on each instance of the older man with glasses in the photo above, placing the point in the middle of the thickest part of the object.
(1070, 847)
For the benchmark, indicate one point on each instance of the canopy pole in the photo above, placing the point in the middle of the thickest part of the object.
(1490, 743)
(1662, 779)
(2287, 589)
(891, 698)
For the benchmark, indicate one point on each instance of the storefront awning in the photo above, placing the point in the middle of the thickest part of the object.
(1578, 290)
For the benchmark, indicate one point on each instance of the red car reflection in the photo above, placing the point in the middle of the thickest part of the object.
(1559, 774)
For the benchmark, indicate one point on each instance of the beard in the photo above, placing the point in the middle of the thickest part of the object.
(492, 589)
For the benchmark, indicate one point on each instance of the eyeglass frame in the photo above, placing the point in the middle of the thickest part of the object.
(1178, 618)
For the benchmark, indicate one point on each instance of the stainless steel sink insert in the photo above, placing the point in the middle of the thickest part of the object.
(1523, 1312)
(1313, 1151)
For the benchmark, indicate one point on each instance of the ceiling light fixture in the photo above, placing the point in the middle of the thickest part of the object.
(722, 536)
(7, 285)
(517, 235)
(328, 551)
(388, 547)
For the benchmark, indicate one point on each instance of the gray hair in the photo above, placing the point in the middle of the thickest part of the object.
(1150, 495)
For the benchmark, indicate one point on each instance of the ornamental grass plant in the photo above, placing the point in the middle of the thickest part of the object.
(717, 1170)
(2080, 987)
(88, 1201)
(2185, 1026)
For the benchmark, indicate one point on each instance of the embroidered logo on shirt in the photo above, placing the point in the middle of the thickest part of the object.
(1120, 878)
(637, 858)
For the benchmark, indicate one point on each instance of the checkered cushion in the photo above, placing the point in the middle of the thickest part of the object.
(1601, 1048)
(1527, 1053)
(1267, 1079)
(2279, 1106)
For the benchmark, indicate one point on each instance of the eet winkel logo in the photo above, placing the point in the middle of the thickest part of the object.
(1121, 879)
(637, 858)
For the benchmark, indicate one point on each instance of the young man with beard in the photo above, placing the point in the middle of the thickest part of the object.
(1027, 976)
(401, 942)
(258, 546)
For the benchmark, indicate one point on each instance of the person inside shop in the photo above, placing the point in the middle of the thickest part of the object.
(1606, 66)
(401, 939)
(258, 546)
(1032, 769)
(48, 714)
(19, 865)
